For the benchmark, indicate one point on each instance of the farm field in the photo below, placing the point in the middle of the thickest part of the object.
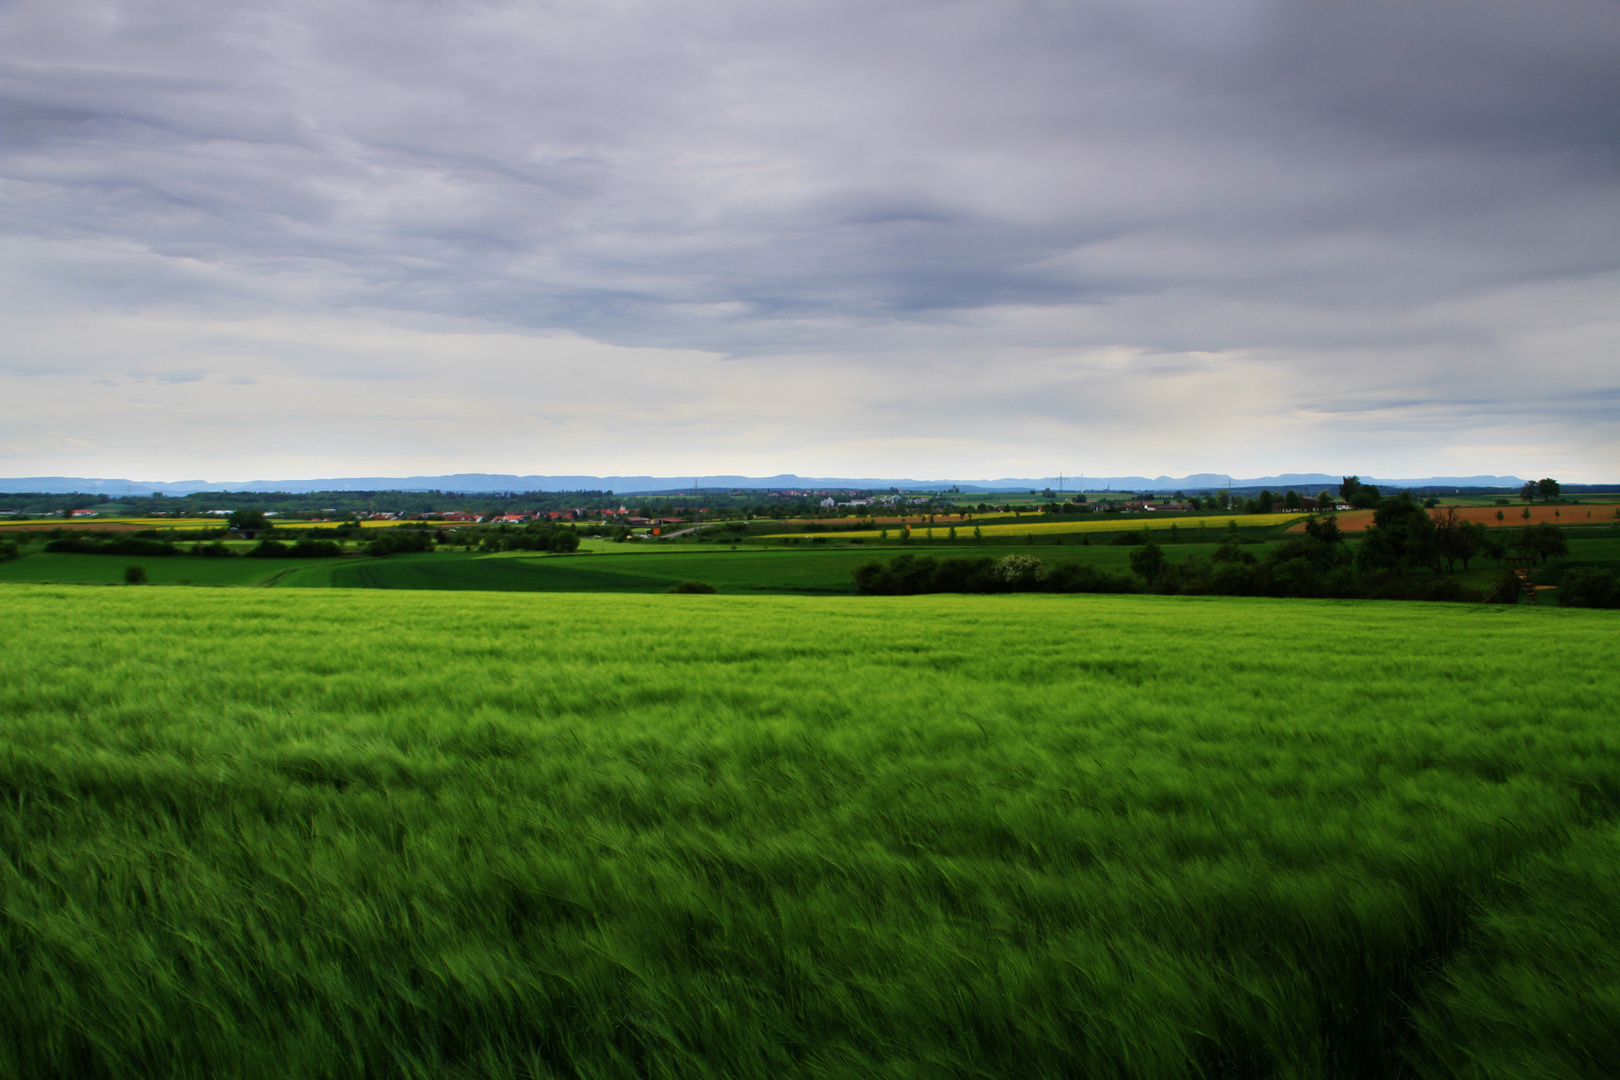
(1041, 524)
(1584, 514)
(108, 524)
(829, 570)
(257, 833)
(807, 569)
(629, 570)
(123, 524)
(608, 567)
(46, 566)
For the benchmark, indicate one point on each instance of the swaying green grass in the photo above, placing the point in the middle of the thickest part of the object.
(366, 833)
(1537, 994)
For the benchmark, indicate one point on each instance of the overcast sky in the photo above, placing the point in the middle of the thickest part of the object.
(940, 239)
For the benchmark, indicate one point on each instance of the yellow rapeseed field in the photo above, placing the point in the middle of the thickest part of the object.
(128, 523)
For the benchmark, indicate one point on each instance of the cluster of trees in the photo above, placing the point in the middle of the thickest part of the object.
(1548, 488)
(1589, 586)
(1404, 536)
(558, 538)
(306, 547)
(1317, 563)
(392, 541)
(81, 544)
(909, 575)
(1360, 496)
(1267, 501)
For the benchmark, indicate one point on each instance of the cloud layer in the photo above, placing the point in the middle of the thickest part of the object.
(971, 238)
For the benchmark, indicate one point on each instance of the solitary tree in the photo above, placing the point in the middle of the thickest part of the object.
(1528, 492)
(1549, 488)
(1147, 561)
(1458, 539)
(1543, 540)
(248, 520)
(1365, 498)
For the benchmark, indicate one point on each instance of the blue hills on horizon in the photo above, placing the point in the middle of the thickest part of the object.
(476, 483)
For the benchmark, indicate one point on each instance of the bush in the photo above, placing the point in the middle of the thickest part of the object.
(1448, 590)
(1147, 562)
(1540, 541)
(967, 575)
(216, 550)
(270, 549)
(693, 587)
(309, 548)
(86, 545)
(306, 548)
(1387, 585)
(134, 575)
(904, 575)
(1588, 586)
(398, 540)
(908, 575)
(1080, 578)
(543, 539)
(9, 551)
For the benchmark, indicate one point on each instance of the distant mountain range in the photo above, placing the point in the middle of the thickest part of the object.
(487, 482)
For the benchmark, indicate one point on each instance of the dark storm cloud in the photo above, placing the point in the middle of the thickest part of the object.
(1297, 181)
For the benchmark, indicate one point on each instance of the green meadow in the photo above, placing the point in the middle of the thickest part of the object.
(363, 832)
(805, 568)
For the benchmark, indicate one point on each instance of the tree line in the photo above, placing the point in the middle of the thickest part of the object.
(1403, 538)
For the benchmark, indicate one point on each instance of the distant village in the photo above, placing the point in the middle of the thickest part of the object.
(651, 510)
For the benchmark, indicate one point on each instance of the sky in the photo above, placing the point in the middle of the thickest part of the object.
(945, 239)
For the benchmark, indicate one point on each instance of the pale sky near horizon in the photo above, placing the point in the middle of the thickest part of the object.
(950, 239)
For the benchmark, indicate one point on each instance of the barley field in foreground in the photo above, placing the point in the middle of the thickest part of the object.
(333, 833)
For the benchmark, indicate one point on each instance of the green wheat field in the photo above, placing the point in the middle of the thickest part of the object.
(379, 833)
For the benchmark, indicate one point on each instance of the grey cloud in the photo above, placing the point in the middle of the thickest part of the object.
(1302, 182)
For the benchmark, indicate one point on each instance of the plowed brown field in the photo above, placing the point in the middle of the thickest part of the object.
(1584, 514)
